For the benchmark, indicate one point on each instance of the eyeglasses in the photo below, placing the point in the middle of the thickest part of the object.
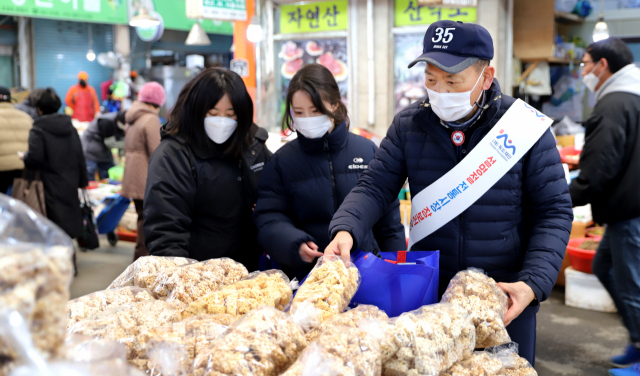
(586, 62)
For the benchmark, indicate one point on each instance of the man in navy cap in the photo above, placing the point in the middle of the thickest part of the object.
(518, 230)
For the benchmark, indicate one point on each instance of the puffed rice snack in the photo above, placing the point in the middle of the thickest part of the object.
(264, 342)
(486, 302)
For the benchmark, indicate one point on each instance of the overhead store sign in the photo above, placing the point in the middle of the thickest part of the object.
(450, 3)
(314, 17)
(99, 11)
(234, 10)
(409, 12)
(174, 13)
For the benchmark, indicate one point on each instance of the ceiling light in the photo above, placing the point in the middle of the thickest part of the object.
(254, 31)
(197, 36)
(91, 56)
(601, 31)
(144, 19)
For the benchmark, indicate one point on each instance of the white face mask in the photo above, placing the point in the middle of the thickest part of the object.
(591, 80)
(219, 128)
(312, 127)
(452, 106)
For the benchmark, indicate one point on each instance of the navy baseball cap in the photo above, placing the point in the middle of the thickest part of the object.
(454, 46)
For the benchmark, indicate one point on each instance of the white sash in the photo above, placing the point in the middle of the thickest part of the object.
(508, 141)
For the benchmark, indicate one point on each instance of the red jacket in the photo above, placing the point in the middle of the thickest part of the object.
(83, 101)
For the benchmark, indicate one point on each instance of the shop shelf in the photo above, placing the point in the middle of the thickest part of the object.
(568, 18)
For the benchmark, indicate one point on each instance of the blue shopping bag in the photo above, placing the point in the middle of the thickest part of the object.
(399, 282)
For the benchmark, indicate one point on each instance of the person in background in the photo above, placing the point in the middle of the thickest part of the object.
(83, 100)
(96, 152)
(142, 137)
(608, 180)
(55, 150)
(29, 105)
(14, 138)
(307, 179)
(203, 177)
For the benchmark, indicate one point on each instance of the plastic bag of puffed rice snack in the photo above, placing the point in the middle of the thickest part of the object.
(126, 324)
(341, 351)
(85, 306)
(78, 356)
(144, 271)
(514, 365)
(427, 341)
(486, 302)
(350, 318)
(326, 292)
(186, 338)
(190, 282)
(271, 287)
(35, 274)
(264, 342)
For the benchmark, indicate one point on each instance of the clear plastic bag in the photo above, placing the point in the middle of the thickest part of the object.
(88, 305)
(35, 274)
(514, 365)
(184, 340)
(349, 318)
(271, 288)
(126, 323)
(327, 291)
(341, 351)
(145, 270)
(486, 302)
(190, 282)
(427, 341)
(264, 342)
(79, 356)
(479, 364)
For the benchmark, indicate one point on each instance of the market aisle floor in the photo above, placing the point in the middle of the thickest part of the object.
(570, 341)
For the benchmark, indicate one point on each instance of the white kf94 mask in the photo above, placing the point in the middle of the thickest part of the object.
(452, 106)
(219, 128)
(312, 127)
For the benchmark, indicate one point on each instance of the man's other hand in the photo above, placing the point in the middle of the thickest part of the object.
(520, 296)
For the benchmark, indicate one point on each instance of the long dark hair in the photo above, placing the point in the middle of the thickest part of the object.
(318, 82)
(200, 95)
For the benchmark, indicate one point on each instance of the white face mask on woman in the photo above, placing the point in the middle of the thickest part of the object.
(452, 106)
(312, 127)
(219, 128)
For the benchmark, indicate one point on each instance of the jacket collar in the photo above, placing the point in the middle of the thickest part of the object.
(6, 105)
(336, 140)
(429, 122)
(626, 80)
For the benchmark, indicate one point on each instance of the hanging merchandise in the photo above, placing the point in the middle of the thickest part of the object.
(539, 81)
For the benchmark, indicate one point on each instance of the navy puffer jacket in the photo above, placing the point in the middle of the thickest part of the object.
(517, 231)
(301, 188)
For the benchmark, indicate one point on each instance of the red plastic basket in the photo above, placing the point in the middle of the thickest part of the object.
(597, 238)
(567, 151)
(581, 259)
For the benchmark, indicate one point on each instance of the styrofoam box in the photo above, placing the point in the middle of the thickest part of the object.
(585, 291)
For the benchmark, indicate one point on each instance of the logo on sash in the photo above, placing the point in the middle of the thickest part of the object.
(457, 138)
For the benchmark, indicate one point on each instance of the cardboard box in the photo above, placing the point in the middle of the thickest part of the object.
(565, 141)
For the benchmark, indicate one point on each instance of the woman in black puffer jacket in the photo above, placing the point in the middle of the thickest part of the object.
(202, 181)
(306, 180)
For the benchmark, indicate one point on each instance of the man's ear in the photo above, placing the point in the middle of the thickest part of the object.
(605, 64)
(488, 74)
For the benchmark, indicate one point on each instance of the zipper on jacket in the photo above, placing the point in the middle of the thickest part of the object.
(461, 262)
(333, 178)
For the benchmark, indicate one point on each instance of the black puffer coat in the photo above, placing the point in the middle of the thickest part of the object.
(55, 150)
(198, 204)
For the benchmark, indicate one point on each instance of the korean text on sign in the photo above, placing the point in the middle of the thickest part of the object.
(313, 17)
(409, 12)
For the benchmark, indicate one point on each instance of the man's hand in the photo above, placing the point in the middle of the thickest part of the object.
(341, 245)
(309, 251)
(520, 296)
